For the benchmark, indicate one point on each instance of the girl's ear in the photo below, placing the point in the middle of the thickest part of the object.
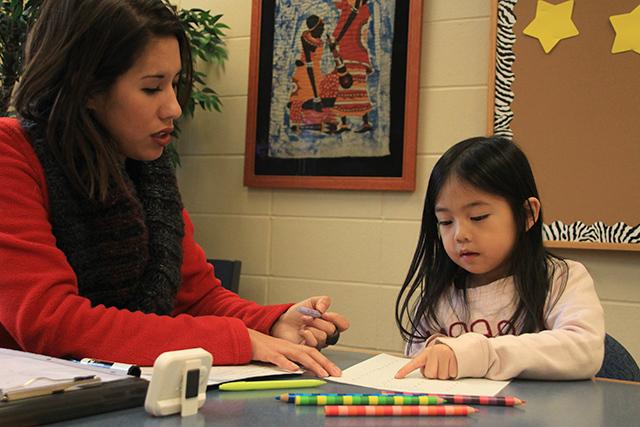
(532, 211)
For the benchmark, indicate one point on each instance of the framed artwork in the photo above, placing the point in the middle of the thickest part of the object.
(333, 94)
(571, 102)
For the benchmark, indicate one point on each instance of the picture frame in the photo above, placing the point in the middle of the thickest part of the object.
(333, 94)
(536, 98)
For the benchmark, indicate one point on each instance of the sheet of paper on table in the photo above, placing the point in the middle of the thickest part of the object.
(223, 374)
(378, 372)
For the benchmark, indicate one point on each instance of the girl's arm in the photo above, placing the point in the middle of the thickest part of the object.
(572, 347)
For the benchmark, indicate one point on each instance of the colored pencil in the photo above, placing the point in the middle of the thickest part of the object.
(483, 400)
(368, 400)
(387, 411)
(468, 400)
(449, 398)
(291, 397)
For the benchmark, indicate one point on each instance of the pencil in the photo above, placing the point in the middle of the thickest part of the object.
(483, 400)
(368, 400)
(386, 411)
(449, 398)
(469, 400)
(291, 397)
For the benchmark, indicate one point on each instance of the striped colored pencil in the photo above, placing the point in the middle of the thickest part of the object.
(389, 411)
(291, 397)
(368, 400)
(449, 398)
(469, 400)
(482, 400)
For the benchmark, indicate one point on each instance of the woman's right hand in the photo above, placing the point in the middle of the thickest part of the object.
(286, 354)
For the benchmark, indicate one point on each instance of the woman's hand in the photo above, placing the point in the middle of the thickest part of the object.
(283, 354)
(303, 329)
(436, 361)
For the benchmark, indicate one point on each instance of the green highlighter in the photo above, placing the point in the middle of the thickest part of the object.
(266, 385)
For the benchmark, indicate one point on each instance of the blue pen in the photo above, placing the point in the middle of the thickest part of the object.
(309, 312)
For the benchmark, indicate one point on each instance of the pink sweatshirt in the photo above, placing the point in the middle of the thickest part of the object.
(571, 347)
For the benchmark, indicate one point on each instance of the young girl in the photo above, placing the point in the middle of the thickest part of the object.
(490, 300)
(97, 254)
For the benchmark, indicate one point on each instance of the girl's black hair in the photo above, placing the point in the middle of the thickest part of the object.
(78, 49)
(497, 166)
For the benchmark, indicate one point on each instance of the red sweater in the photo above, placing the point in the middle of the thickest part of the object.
(41, 311)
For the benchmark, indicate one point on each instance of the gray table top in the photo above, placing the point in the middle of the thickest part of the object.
(548, 403)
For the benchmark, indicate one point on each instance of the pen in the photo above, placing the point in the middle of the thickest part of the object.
(309, 312)
(121, 367)
(26, 392)
(266, 385)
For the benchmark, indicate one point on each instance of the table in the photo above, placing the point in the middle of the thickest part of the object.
(549, 403)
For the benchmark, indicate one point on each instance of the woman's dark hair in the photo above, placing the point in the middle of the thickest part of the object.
(75, 50)
(497, 166)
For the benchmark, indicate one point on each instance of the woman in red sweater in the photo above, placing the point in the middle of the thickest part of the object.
(97, 254)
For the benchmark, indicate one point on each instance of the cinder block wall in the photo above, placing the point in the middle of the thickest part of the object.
(355, 246)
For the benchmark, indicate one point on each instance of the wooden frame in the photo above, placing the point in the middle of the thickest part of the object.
(394, 170)
(574, 235)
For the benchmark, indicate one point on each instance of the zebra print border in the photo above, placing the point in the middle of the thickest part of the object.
(598, 232)
(503, 97)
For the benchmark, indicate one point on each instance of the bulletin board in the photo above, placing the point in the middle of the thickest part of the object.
(575, 111)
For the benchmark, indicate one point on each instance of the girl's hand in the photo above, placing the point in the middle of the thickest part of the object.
(436, 362)
(283, 354)
(303, 329)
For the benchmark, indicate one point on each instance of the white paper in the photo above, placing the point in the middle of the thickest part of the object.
(223, 374)
(18, 367)
(378, 372)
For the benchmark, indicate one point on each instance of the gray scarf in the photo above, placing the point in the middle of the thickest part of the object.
(126, 252)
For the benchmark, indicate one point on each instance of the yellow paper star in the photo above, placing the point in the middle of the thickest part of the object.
(627, 28)
(552, 24)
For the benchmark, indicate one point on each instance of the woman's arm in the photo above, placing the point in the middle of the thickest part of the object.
(201, 293)
(40, 308)
(41, 311)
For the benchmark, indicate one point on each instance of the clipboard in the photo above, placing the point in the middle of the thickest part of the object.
(109, 396)
(107, 389)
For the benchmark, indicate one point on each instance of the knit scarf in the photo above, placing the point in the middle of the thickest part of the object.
(127, 251)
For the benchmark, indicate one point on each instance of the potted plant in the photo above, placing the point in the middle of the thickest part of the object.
(205, 32)
(15, 19)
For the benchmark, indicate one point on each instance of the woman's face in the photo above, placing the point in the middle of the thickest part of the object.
(138, 110)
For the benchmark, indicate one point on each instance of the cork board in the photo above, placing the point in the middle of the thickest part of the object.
(576, 113)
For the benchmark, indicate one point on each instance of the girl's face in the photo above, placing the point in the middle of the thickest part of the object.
(477, 229)
(138, 110)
